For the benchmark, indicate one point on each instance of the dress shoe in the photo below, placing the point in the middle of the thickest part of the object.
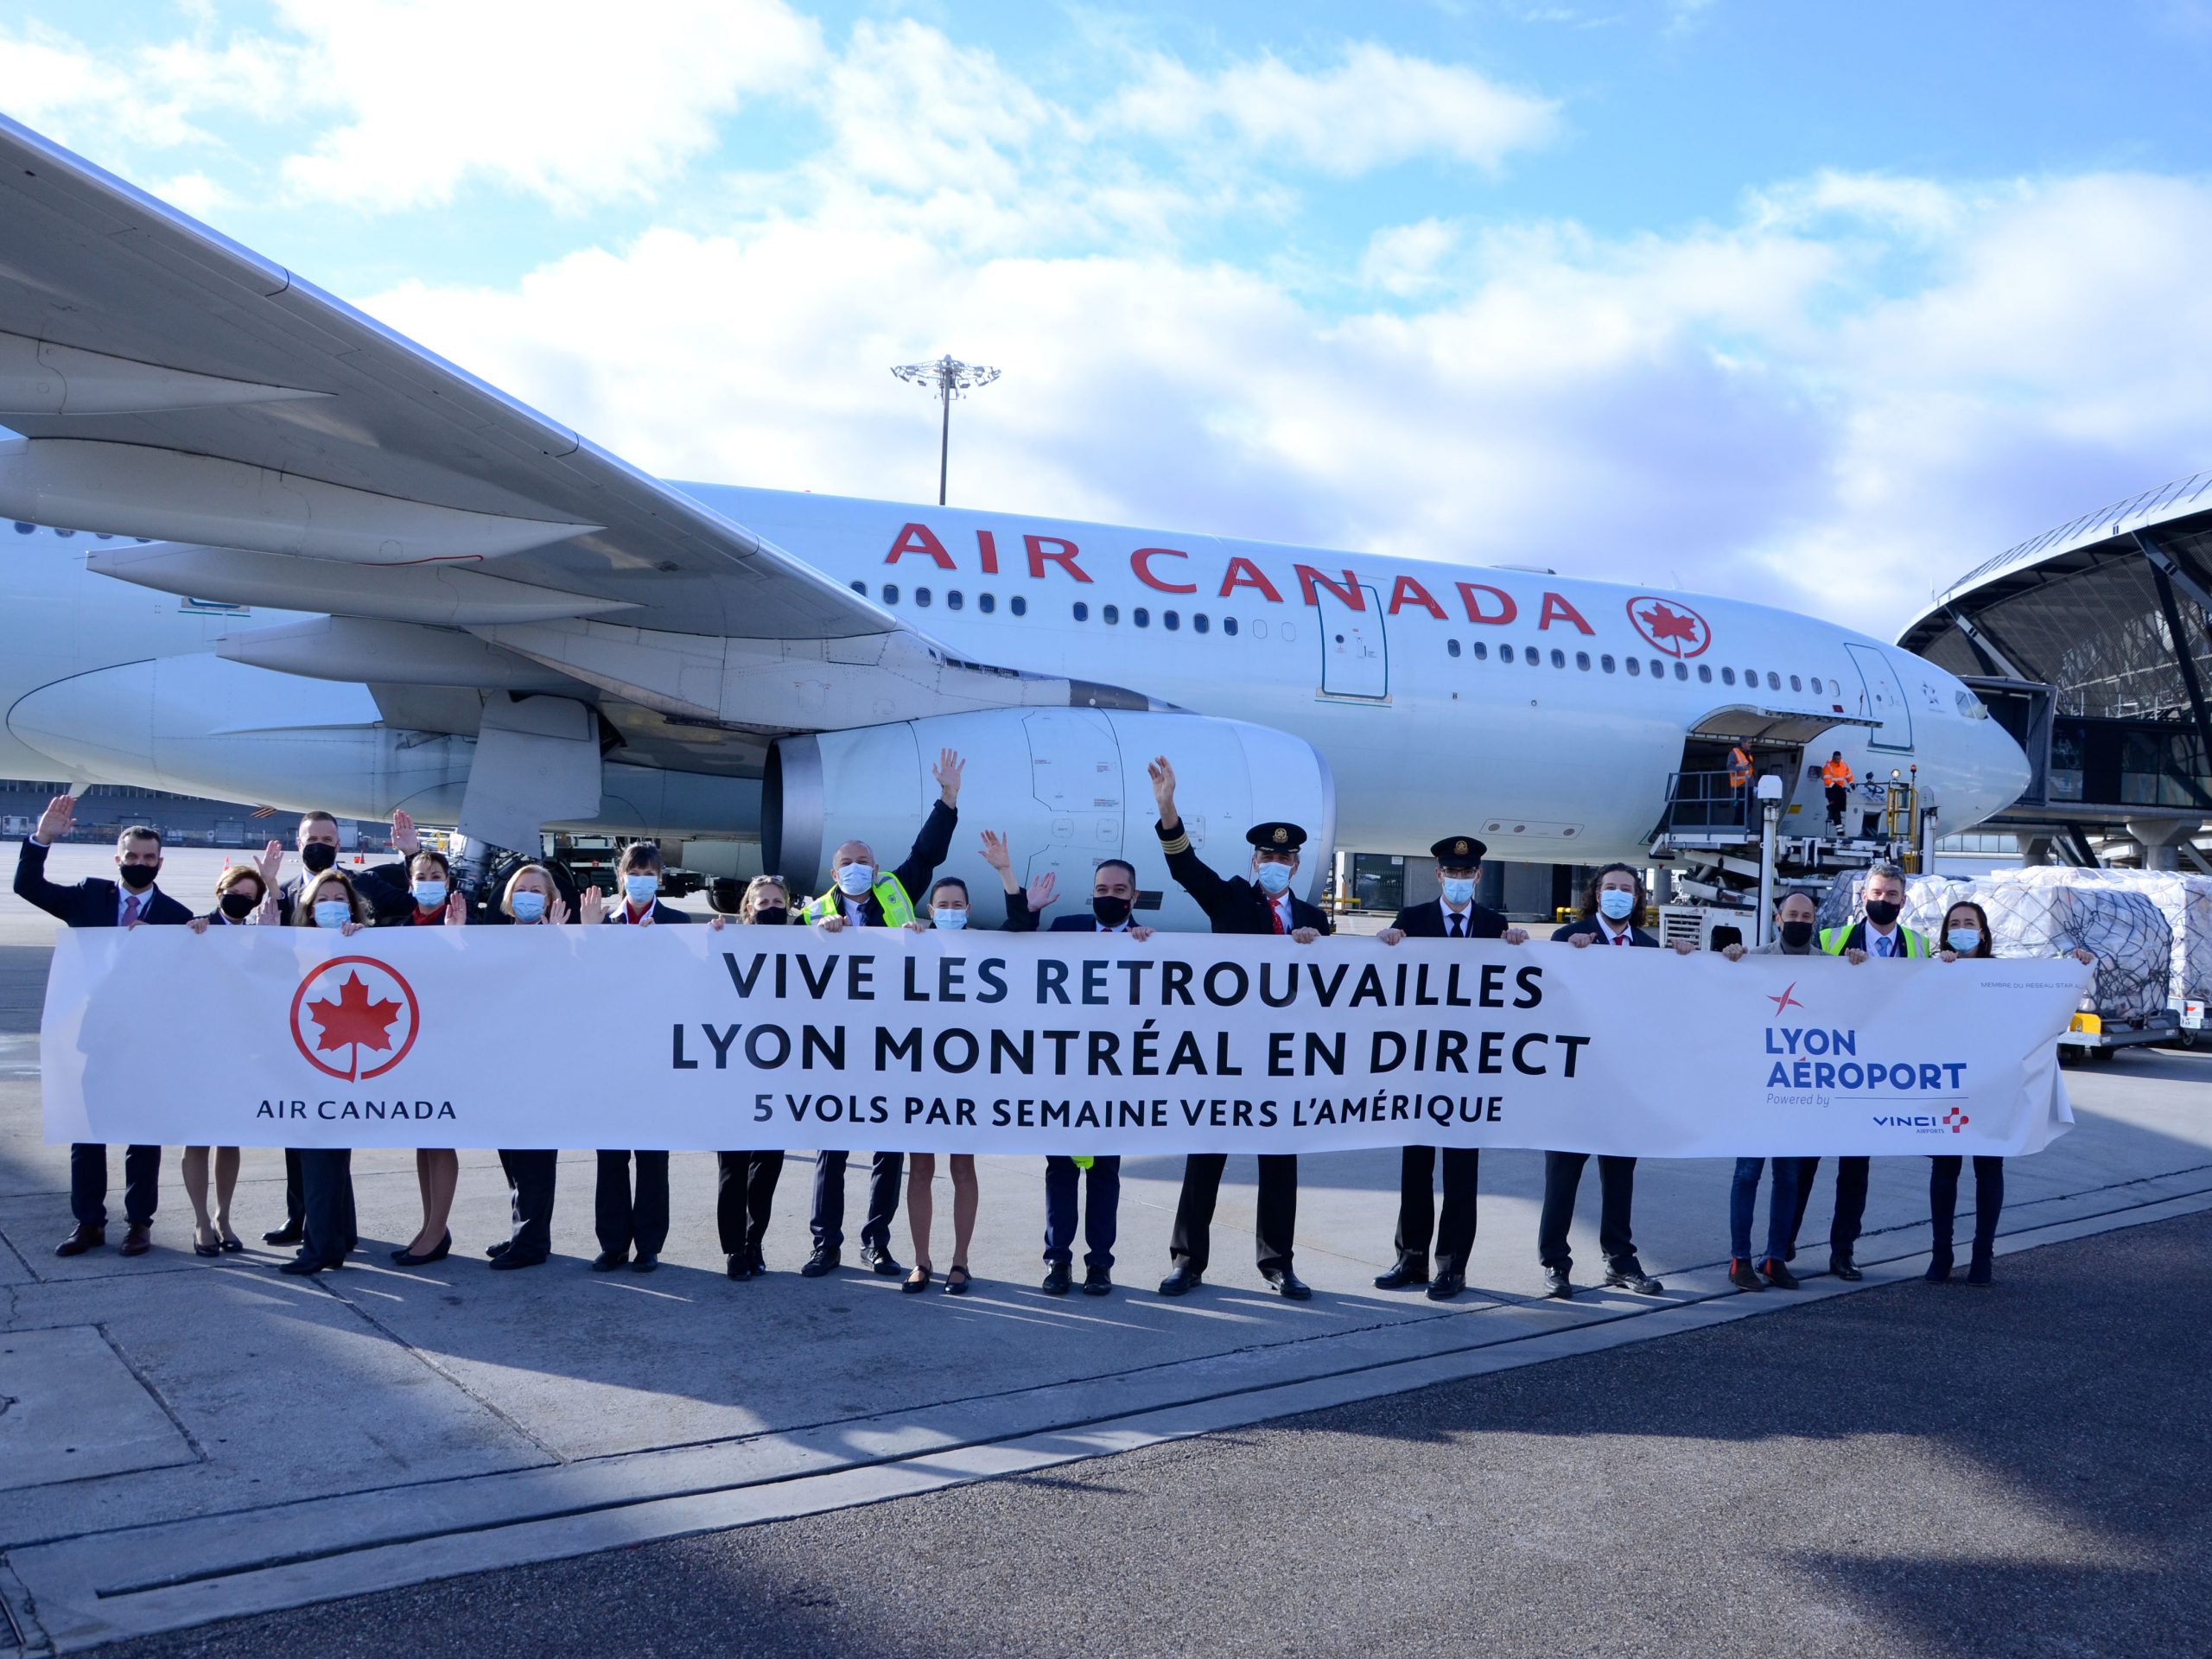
(1182, 1281)
(1410, 1274)
(1288, 1285)
(880, 1260)
(1777, 1274)
(1841, 1265)
(645, 1262)
(290, 1233)
(1939, 1264)
(760, 1262)
(1445, 1286)
(1096, 1281)
(136, 1240)
(739, 1265)
(407, 1258)
(81, 1239)
(1557, 1286)
(306, 1267)
(1978, 1268)
(1630, 1275)
(1057, 1280)
(607, 1261)
(825, 1259)
(507, 1261)
(495, 1251)
(1742, 1274)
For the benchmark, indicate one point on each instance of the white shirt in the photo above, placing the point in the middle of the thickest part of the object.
(1621, 935)
(1879, 943)
(622, 914)
(1282, 903)
(1465, 917)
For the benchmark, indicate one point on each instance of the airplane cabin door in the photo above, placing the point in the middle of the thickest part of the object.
(1355, 654)
(1885, 699)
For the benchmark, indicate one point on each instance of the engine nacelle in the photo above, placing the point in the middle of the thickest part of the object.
(1066, 787)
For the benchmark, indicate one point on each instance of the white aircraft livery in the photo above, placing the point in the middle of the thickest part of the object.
(310, 563)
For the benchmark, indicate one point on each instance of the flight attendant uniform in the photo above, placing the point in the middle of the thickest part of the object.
(632, 1224)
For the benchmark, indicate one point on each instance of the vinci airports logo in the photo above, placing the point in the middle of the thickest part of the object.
(1675, 629)
(354, 1017)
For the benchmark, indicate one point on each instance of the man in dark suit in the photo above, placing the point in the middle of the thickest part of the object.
(1453, 915)
(1611, 906)
(861, 895)
(1259, 903)
(131, 900)
(1113, 902)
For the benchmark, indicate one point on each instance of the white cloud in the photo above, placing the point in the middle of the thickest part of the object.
(1403, 259)
(1375, 109)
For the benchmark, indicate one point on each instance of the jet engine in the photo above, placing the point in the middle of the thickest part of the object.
(1067, 787)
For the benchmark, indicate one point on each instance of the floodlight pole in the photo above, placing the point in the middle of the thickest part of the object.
(952, 378)
(943, 438)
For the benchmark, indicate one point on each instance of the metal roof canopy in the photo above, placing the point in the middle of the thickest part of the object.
(1780, 729)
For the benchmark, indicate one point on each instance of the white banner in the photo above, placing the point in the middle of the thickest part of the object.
(693, 1039)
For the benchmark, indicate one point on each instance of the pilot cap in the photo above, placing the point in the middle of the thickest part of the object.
(1276, 837)
(1459, 850)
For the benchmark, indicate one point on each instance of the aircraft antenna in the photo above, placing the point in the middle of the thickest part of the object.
(949, 378)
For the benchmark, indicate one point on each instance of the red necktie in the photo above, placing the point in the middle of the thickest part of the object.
(1274, 915)
(1620, 938)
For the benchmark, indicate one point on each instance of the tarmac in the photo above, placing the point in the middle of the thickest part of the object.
(187, 1440)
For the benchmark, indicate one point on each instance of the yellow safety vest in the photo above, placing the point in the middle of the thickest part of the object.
(1832, 940)
(898, 908)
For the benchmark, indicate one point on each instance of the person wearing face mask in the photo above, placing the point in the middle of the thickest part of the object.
(132, 899)
(863, 895)
(433, 901)
(1610, 904)
(243, 898)
(1113, 900)
(629, 1220)
(947, 910)
(1261, 903)
(1453, 915)
(531, 899)
(328, 1228)
(746, 1182)
(1876, 937)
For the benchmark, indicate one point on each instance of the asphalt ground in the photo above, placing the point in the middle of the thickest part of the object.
(1916, 1470)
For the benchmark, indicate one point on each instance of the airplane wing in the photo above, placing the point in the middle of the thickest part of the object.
(170, 384)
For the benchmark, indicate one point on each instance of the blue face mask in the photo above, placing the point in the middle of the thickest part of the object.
(1458, 890)
(1964, 940)
(332, 913)
(854, 879)
(528, 907)
(955, 919)
(1617, 906)
(1273, 877)
(429, 895)
(641, 889)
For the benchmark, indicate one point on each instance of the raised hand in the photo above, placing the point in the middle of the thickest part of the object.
(947, 772)
(593, 903)
(270, 861)
(456, 909)
(556, 909)
(402, 834)
(1044, 891)
(53, 823)
(1163, 790)
(996, 852)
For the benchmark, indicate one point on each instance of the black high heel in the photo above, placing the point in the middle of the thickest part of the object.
(405, 1258)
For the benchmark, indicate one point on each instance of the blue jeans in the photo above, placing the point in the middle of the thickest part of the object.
(1781, 1208)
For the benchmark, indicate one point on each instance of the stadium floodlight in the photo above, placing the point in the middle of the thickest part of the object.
(949, 378)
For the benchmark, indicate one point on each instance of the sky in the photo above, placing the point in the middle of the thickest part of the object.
(1816, 305)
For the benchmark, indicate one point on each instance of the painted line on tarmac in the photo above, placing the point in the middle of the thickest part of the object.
(80, 1600)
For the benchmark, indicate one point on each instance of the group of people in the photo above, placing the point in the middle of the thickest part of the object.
(1082, 1194)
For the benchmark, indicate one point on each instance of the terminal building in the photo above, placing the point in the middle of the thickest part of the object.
(2091, 644)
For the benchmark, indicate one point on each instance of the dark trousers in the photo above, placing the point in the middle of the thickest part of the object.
(142, 1184)
(530, 1176)
(1102, 1210)
(1455, 1235)
(1850, 1201)
(624, 1221)
(295, 1198)
(1839, 798)
(828, 1221)
(1781, 1207)
(1615, 1198)
(745, 1191)
(1272, 1229)
(1943, 1199)
(326, 1205)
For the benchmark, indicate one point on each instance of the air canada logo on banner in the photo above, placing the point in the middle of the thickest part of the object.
(354, 1017)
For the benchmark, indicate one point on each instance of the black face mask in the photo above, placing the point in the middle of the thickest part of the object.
(318, 857)
(1110, 913)
(239, 905)
(1796, 935)
(139, 877)
(772, 916)
(1881, 912)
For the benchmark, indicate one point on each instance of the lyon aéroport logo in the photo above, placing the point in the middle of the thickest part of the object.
(354, 1017)
(1669, 627)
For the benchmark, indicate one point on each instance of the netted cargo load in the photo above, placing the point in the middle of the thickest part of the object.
(2041, 912)
(2185, 900)
(1925, 898)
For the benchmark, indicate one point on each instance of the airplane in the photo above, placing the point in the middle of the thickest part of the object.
(314, 565)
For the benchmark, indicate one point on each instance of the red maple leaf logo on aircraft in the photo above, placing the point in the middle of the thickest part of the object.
(1675, 629)
(371, 1000)
(354, 1018)
(1785, 1001)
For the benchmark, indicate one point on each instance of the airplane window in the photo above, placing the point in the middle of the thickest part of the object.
(1259, 628)
(1506, 653)
(1681, 669)
(952, 598)
(1142, 617)
(1290, 631)
(22, 529)
(1658, 669)
(1705, 673)
(65, 533)
(1018, 604)
(1481, 650)
(1727, 676)
(1082, 612)
(1229, 625)
(1171, 621)
(1452, 647)
(1605, 662)
(1532, 656)
(1559, 658)
(861, 588)
(987, 603)
(1112, 614)
(1199, 621)
(1795, 685)
(921, 596)
(1773, 681)
(1635, 664)
(1751, 678)
(1582, 661)
(891, 593)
